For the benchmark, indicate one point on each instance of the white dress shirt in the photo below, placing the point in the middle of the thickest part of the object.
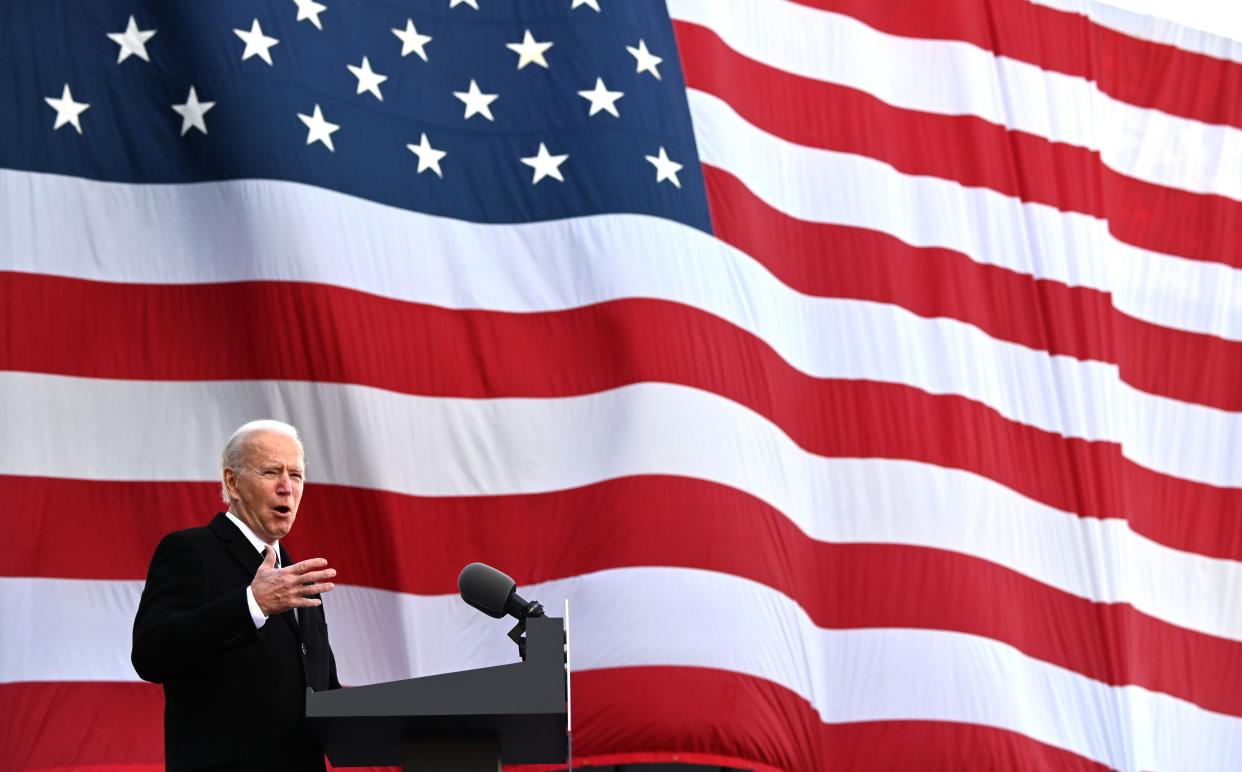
(256, 613)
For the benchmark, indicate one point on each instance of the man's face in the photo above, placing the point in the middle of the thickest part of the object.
(268, 487)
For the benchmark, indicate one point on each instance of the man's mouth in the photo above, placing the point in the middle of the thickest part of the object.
(282, 509)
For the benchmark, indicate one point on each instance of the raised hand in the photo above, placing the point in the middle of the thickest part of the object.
(279, 589)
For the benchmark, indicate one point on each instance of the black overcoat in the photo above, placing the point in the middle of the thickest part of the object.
(234, 695)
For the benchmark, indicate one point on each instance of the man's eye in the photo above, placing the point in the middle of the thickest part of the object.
(270, 473)
(297, 476)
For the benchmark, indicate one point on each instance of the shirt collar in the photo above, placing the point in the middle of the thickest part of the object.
(251, 536)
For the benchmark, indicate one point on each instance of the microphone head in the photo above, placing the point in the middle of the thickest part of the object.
(486, 589)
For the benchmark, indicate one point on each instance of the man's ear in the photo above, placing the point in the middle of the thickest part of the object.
(230, 483)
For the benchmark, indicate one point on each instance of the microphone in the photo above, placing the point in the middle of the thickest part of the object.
(494, 593)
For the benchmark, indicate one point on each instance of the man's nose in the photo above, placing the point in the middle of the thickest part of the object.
(285, 483)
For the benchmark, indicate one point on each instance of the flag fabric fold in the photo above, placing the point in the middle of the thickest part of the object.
(865, 375)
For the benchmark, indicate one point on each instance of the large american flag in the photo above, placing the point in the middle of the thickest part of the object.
(868, 375)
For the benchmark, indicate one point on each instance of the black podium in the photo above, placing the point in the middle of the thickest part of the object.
(455, 722)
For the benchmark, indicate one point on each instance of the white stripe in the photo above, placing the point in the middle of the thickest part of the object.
(66, 629)
(986, 226)
(264, 229)
(1217, 23)
(591, 260)
(959, 78)
(681, 617)
(132, 430)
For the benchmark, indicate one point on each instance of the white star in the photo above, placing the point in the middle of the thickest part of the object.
(67, 110)
(529, 51)
(368, 79)
(319, 130)
(472, 3)
(309, 9)
(602, 99)
(591, 3)
(132, 41)
(476, 101)
(257, 44)
(545, 164)
(666, 169)
(428, 156)
(192, 112)
(411, 41)
(646, 60)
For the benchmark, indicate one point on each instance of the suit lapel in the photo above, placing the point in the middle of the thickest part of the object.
(244, 553)
(238, 545)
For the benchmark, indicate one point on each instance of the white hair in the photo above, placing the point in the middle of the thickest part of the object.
(231, 458)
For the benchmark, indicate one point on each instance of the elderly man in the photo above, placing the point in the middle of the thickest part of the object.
(232, 628)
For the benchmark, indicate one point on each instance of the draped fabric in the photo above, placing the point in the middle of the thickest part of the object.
(866, 376)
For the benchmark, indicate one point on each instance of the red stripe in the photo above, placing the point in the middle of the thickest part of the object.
(73, 723)
(963, 148)
(840, 261)
(826, 115)
(662, 758)
(1133, 70)
(648, 521)
(690, 709)
(681, 714)
(1158, 360)
(1172, 221)
(425, 350)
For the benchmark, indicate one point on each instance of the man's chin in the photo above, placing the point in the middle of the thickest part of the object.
(280, 525)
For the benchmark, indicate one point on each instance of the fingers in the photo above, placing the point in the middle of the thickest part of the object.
(296, 597)
(310, 564)
(315, 589)
(317, 576)
(290, 586)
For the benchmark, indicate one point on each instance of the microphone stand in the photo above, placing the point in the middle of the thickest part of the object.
(518, 633)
